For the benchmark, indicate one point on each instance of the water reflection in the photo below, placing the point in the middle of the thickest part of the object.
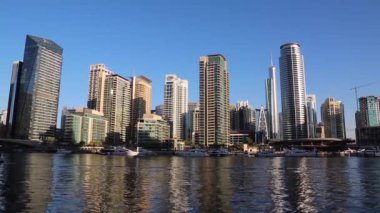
(93, 183)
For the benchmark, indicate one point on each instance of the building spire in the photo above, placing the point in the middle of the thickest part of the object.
(271, 60)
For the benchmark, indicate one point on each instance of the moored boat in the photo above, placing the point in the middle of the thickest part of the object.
(192, 153)
(219, 153)
(266, 153)
(294, 152)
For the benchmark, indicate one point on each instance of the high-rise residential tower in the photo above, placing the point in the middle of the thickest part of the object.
(35, 116)
(141, 100)
(15, 81)
(98, 74)
(293, 92)
(214, 96)
(176, 104)
(369, 114)
(311, 108)
(117, 108)
(332, 114)
(271, 102)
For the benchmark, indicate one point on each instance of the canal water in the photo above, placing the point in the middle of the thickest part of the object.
(38, 182)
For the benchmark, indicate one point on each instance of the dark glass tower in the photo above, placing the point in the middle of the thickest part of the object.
(35, 115)
(15, 79)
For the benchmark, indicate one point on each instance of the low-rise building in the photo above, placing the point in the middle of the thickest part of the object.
(152, 130)
(368, 136)
(84, 125)
(238, 138)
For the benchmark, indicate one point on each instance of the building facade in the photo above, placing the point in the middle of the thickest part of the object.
(97, 83)
(271, 102)
(214, 96)
(311, 112)
(293, 92)
(176, 104)
(152, 130)
(261, 134)
(243, 117)
(83, 125)
(117, 108)
(35, 114)
(369, 114)
(189, 120)
(15, 81)
(141, 100)
(332, 116)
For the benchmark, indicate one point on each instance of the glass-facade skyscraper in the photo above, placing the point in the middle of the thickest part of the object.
(15, 80)
(293, 92)
(271, 102)
(35, 112)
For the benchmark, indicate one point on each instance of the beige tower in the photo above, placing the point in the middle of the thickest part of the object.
(332, 113)
(214, 96)
(117, 108)
(141, 99)
(98, 74)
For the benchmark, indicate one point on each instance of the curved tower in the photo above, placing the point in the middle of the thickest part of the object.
(293, 92)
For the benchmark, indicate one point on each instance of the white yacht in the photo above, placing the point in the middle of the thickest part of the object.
(294, 152)
(114, 150)
(192, 153)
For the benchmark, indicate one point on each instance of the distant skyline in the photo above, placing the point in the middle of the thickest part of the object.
(339, 41)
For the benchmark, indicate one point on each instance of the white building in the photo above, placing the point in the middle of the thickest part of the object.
(293, 92)
(176, 104)
(3, 117)
(271, 102)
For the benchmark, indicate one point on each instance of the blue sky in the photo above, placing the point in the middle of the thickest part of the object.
(339, 38)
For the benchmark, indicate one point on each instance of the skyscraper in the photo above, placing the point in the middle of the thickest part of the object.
(98, 74)
(369, 114)
(262, 125)
(15, 82)
(293, 92)
(141, 100)
(189, 120)
(243, 117)
(332, 114)
(311, 108)
(214, 96)
(117, 108)
(35, 116)
(271, 101)
(176, 104)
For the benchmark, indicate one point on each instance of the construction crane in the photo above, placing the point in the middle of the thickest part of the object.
(355, 88)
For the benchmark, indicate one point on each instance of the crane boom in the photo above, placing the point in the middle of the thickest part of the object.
(355, 88)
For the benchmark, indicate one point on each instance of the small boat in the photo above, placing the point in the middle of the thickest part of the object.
(294, 152)
(219, 153)
(64, 151)
(192, 153)
(266, 153)
(132, 153)
(114, 151)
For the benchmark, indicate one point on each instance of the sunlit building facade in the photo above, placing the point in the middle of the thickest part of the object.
(214, 96)
(35, 117)
(293, 92)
